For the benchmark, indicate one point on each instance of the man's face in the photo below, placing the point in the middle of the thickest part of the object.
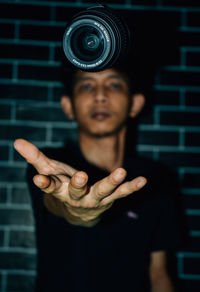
(101, 102)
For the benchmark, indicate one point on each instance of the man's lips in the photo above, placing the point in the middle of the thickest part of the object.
(100, 115)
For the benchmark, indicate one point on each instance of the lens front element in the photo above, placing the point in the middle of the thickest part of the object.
(87, 43)
(91, 42)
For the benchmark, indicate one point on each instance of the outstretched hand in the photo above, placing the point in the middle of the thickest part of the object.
(70, 186)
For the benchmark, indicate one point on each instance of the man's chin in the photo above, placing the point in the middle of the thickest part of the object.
(101, 133)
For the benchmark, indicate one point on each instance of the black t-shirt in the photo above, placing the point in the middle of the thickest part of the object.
(113, 255)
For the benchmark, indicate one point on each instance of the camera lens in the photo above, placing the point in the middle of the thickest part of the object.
(87, 43)
(96, 39)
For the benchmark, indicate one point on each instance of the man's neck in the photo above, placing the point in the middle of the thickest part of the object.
(104, 152)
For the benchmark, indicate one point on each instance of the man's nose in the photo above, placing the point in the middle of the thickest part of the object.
(100, 95)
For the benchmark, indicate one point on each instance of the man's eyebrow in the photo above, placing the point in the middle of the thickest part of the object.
(116, 76)
(83, 78)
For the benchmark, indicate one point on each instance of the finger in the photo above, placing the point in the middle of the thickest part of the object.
(107, 185)
(48, 184)
(32, 155)
(126, 189)
(41, 162)
(78, 185)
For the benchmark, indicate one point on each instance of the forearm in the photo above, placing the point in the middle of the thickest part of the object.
(162, 284)
(59, 209)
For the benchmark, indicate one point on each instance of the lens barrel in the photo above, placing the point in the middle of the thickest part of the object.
(96, 39)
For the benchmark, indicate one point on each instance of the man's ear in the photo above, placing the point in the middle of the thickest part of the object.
(137, 104)
(67, 107)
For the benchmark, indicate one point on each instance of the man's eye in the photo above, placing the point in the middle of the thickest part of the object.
(86, 87)
(115, 86)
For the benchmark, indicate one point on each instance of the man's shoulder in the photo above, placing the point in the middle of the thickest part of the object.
(147, 166)
(162, 181)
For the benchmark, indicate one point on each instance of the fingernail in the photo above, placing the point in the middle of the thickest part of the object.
(80, 180)
(38, 181)
(141, 183)
(119, 176)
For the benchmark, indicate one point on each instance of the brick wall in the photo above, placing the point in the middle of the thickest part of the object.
(30, 87)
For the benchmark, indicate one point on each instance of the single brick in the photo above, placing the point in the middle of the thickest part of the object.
(4, 152)
(50, 73)
(191, 180)
(17, 260)
(6, 30)
(191, 265)
(193, 19)
(21, 92)
(58, 53)
(5, 111)
(20, 11)
(193, 59)
(182, 3)
(54, 1)
(20, 195)
(1, 237)
(12, 174)
(140, 2)
(16, 217)
(192, 244)
(64, 134)
(18, 51)
(25, 283)
(147, 119)
(166, 97)
(177, 159)
(22, 239)
(36, 113)
(27, 132)
(158, 138)
(191, 201)
(3, 195)
(192, 139)
(43, 32)
(57, 93)
(6, 71)
(190, 285)
(192, 98)
(65, 13)
(193, 222)
(187, 38)
(147, 154)
(179, 118)
(108, 1)
(180, 78)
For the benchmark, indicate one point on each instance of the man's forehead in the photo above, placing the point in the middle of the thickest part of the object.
(109, 73)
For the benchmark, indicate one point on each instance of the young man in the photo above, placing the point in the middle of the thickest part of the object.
(94, 233)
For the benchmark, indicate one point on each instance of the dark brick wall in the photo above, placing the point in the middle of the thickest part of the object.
(30, 87)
